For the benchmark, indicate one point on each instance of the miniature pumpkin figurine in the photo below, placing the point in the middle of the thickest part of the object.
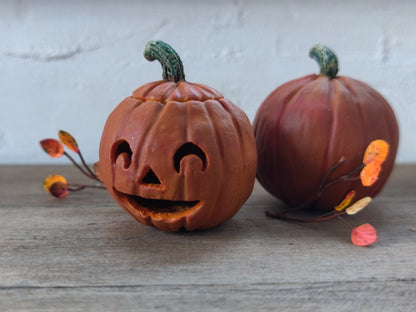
(305, 126)
(175, 154)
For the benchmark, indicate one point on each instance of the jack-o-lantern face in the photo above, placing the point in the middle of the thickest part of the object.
(178, 155)
(148, 180)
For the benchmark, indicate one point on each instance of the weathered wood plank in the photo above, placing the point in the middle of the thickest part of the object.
(86, 253)
(349, 296)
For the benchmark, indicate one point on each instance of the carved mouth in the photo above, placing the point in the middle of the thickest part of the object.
(160, 205)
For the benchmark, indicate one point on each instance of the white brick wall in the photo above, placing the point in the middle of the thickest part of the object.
(67, 64)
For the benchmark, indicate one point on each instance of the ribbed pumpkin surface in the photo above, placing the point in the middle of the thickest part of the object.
(306, 125)
(215, 165)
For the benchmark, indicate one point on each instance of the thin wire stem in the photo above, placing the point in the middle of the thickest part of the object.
(86, 173)
(322, 187)
(76, 165)
(78, 187)
(348, 177)
(345, 222)
(91, 173)
(323, 183)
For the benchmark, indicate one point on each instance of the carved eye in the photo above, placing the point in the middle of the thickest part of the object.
(189, 149)
(122, 149)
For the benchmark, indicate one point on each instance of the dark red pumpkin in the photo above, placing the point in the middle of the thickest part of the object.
(305, 126)
(178, 154)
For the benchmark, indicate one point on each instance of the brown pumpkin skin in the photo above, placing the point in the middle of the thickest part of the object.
(306, 125)
(156, 122)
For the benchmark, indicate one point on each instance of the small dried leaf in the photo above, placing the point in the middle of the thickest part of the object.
(68, 140)
(59, 190)
(346, 201)
(358, 205)
(364, 235)
(52, 147)
(53, 179)
(377, 150)
(369, 174)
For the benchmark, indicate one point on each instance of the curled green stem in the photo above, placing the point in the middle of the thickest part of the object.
(326, 59)
(168, 58)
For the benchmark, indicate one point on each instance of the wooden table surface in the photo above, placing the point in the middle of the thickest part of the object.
(86, 254)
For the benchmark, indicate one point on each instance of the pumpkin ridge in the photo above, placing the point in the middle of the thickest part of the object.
(219, 146)
(348, 85)
(126, 116)
(189, 91)
(218, 140)
(235, 123)
(388, 114)
(146, 89)
(215, 92)
(259, 123)
(166, 99)
(290, 99)
(172, 86)
(144, 142)
(293, 98)
(375, 94)
(187, 139)
(333, 101)
(188, 120)
(124, 122)
(296, 93)
(394, 128)
(292, 95)
(336, 100)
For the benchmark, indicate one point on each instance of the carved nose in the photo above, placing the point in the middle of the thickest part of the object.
(150, 178)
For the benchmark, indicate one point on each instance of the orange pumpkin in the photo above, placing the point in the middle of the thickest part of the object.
(177, 154)
(305, 126)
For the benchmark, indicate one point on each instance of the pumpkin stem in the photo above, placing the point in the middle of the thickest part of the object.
(327, 60)
(168, 58)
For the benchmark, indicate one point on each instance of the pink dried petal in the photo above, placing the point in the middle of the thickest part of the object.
(364, 235)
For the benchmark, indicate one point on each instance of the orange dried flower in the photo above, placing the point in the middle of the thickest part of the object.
(52, 147)
(376, 151)
(68, 140)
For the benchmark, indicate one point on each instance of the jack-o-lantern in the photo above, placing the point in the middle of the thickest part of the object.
(178, 155)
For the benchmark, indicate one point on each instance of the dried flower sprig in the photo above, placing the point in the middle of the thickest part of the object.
(368, 173)
(58, 187)
(57, 184)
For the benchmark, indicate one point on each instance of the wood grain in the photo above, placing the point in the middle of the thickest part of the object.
(86, 254)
